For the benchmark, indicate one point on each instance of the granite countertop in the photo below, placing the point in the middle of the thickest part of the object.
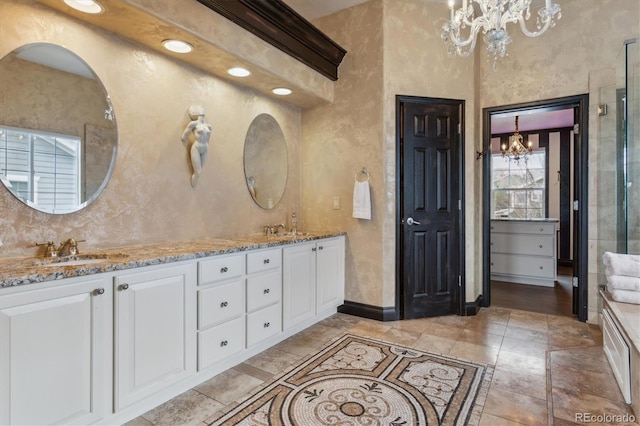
(543, 219)
(29, 270)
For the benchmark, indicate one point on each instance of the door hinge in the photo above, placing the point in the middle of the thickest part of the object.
(459, 128)
(576, 205)
(576, 128)
(574, 282)
(459, 281)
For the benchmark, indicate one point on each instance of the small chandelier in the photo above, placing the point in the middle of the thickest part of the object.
(516, 149)
(493, 21)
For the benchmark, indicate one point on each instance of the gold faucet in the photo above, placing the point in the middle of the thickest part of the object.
(50, 249)
(68, 248)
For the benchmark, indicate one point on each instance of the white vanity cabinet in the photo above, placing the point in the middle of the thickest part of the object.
(524, 252)
(105, 348)
(155, 330)
(264, 294)
(329, 274)
(313, 279)
(55, 344)
(298, 284)
(221, 309)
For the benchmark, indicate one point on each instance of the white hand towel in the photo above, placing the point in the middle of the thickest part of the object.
(626, 296)
(621, 264)
(622, 282)
(362, 200)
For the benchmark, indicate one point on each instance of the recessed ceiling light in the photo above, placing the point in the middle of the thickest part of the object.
(177, 46)
(282, 91)
(239, 72)
(86, 6)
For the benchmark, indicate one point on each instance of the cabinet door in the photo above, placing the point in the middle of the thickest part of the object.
(330, 274)
(155, 333)
(54, 353)
(298, 284)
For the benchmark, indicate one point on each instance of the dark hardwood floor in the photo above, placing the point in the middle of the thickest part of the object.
(545, 300)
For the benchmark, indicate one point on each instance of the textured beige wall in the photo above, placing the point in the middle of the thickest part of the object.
(149, 198)
(358, 130)
(341, 138)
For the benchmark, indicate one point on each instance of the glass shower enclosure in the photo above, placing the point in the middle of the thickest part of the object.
(630, 223)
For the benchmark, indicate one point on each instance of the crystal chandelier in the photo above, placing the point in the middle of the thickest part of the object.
(495, 14)
(516, 149)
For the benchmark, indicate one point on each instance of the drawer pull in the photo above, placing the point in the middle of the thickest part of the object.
(541, 267)
(313, 249)
(224, 269)
(224, 343)
(541, 229)
(266, 291)
(224, 304)
(540, 246)
(266, 261)
(98, 291)
(491, 263)
(124, 287)
(320, 248)
(266, 325)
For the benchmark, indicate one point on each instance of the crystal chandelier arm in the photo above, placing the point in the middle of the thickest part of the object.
(545, 20)
(454, 32)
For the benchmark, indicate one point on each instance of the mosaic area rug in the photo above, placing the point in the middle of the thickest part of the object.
(363, 381)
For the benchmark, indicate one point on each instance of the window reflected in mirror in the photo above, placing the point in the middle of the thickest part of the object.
(42, 168)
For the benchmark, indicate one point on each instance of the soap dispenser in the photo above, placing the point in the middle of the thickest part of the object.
(294, 223)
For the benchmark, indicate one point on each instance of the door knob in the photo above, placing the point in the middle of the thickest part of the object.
(410, 221)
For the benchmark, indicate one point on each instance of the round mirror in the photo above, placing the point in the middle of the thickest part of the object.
(265, 161)
(58, 133)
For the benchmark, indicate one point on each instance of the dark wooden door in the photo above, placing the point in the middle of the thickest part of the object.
(430, 210)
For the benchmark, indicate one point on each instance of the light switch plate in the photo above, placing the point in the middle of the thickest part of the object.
(336, 202)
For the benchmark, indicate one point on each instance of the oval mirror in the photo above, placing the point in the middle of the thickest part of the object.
(265, 161)
(58, 134)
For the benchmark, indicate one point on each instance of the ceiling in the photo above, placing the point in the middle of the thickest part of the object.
(536, 119)
(312, 9)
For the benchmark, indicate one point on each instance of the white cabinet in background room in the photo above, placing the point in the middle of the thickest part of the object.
(264, 295)
(524, 252)
(54, 353)
(155, 330)
(312, 279)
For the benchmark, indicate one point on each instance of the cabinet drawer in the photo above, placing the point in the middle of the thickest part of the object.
(263, 290)
(220, 268)
(523, 227)
(264, 260)
(220, 342)
(539, 245)
(539, 267)
(263, 323)
(220, 303)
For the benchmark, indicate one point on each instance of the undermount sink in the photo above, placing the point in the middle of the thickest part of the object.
(81, 259)
(292, 235)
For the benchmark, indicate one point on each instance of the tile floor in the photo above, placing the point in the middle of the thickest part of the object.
(548, 368)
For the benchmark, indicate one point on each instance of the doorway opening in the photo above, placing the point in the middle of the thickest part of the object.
(534, 207)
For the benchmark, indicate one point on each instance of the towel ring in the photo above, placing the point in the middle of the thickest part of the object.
(365, 172)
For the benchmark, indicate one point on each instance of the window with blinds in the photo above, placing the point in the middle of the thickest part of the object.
(42, 168)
